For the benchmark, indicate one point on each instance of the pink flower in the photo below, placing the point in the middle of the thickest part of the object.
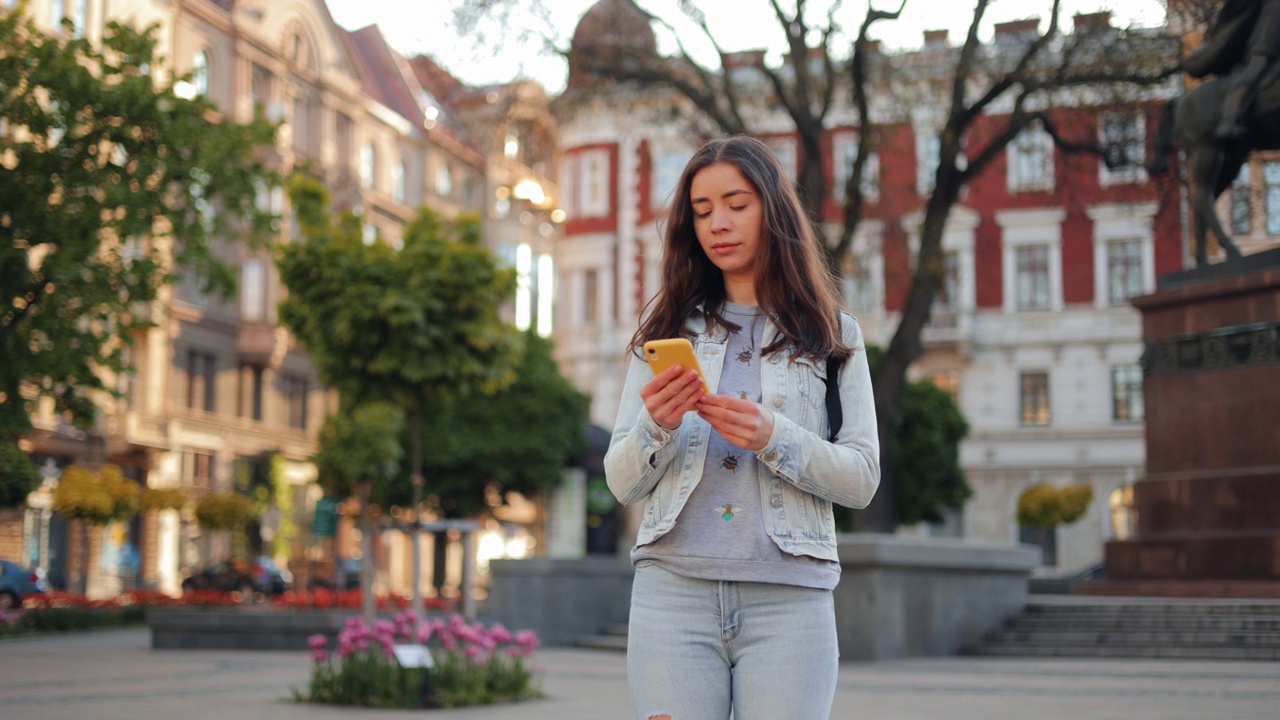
(527, 640)
(319, 655)
(317, 642)
(500, 634)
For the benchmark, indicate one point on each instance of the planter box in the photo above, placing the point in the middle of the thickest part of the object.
(898, 597)
(240, 629)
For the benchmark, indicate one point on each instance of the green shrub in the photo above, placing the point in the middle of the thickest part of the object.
(473, 665)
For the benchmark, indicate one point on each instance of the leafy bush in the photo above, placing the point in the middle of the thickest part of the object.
(1043, 505)
(224, 511)
(473, 665)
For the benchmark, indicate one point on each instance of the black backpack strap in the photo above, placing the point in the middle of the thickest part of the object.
(835, 413)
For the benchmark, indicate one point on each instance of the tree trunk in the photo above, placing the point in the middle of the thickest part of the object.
(906, 346)
(367, 558)
(415, 533)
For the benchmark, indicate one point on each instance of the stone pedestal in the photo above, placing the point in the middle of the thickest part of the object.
(1207, 513)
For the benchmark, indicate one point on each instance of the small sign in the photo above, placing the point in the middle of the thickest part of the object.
(325, 523)
(414, 656)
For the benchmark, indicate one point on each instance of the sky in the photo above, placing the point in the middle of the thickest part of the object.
(507, 52)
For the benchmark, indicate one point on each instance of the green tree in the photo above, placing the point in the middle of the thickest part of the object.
(479, 447)
(414, 326)
(111, 184)
(97, 498)
(360, 450)
(926, 440)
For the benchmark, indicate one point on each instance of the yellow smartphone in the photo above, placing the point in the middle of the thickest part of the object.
(662, 354)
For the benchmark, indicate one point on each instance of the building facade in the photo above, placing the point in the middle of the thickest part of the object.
(221, 397)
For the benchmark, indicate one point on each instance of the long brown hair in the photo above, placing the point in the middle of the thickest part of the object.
(792, 283)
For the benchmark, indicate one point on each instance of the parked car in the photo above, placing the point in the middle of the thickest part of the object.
(17, 582)
(258, 576)
(346, 576)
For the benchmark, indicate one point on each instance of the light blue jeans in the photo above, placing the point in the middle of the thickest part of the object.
(699, 648)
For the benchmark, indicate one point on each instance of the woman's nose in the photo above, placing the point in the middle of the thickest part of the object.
(720, 219)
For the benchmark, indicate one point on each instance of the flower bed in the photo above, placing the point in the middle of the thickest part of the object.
(470, 664)
(58, 611)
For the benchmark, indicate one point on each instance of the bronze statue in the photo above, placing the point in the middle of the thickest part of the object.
(1220, 121)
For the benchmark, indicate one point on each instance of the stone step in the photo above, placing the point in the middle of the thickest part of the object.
(1252, 623)
(1083, 605)
(1087, 626)
(616, 643)
(1138, 637)
(1142, 651)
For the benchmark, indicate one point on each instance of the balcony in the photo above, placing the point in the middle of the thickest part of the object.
(261, 343)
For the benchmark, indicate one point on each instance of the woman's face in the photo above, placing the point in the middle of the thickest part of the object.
(728, 216)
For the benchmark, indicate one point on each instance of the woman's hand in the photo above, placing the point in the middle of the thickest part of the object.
(670, 394)
(742, 422)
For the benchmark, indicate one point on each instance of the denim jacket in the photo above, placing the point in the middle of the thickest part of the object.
(801, 472)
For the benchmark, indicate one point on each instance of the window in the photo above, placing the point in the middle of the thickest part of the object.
(948, 297)
(859, 290)
(567, 197)
(202, 377)
(1126, 393)
(524, 287)
(1123, 137)
(1124, 270)
(590, 296)
(1032, 277)
(948, 381)
(344, 132)
(368, 165)
(444, 180)
(397, 182)
(250, 404)
(1271, 176)
(1242, 202)
(301, 125)
(80, 16)
(197, 470)
(200, 72)
(1123, 251)
(785, 149)
(253, 291)
(928, 155)
(1031, 160)
(844, 152)
(294, 390)
(593, 192)
(511, 146)
(666, 175)
(369, 233)
(1033, 400)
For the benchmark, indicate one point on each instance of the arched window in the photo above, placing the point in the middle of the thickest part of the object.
(200, 72)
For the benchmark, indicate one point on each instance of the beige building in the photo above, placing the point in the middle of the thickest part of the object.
(221, 396)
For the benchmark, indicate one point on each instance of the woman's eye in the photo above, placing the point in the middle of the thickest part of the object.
(702, 215)
(740, 207)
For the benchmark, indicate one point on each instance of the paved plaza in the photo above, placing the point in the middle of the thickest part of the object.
(114, 675)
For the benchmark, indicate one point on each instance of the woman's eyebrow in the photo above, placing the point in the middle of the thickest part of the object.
(731, 193)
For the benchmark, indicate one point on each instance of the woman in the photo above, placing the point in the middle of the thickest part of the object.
(735, 558)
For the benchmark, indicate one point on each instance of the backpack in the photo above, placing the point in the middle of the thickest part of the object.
(835, 413)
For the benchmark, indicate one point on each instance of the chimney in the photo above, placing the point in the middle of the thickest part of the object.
(1030, 26)
(935, 39)
(1093, 21)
